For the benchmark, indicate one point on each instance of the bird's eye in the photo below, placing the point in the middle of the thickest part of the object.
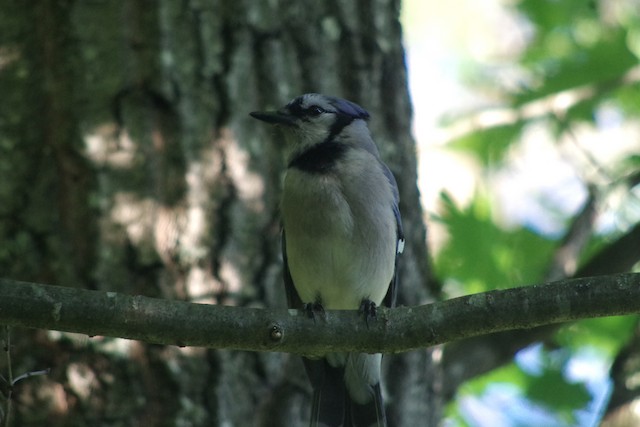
(314, 110)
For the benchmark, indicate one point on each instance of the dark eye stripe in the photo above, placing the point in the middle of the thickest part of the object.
(314, 110)
(296, 109)
(342, 121)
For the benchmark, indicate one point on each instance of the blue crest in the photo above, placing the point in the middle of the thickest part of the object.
(349, 108)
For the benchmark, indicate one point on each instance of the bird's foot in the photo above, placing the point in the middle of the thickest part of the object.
(369, 309)
(313, 310)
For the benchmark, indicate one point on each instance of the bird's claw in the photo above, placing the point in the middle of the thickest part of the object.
(369, 309)
(314, 309)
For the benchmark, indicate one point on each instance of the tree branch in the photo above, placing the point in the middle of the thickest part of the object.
(557, 103)
(469, 358)
(396, 330)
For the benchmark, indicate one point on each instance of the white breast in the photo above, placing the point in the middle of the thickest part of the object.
(340, 232)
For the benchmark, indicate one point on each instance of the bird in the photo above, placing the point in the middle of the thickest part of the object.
(341, 238)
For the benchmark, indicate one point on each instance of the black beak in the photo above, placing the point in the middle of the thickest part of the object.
(274, 117)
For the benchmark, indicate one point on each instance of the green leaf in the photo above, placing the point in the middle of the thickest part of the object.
(553, 391)
(488, 145)
(599, 64)
(627, 98)
(483, 256)
(507, 374)
(607, 335)
(548, 15)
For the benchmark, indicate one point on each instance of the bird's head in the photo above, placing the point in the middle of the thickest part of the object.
(313, 118)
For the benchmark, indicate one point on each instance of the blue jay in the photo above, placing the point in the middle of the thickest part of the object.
(341, 237)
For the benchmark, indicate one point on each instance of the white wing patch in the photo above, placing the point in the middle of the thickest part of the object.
(400, 246)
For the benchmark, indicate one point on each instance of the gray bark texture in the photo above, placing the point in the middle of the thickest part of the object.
(128, 163)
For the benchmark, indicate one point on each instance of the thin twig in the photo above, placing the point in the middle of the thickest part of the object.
(31, 374)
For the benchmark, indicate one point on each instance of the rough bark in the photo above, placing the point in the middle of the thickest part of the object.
(394, 330)
(129, 164)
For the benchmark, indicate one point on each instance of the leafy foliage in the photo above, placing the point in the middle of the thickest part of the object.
(552, 389)
(490, 145)
(485, 256)
(580, 60)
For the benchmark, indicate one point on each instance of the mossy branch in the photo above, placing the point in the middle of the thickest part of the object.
(394, 330)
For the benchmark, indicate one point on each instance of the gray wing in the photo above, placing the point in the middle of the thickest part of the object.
(392, 293)
(293, 299)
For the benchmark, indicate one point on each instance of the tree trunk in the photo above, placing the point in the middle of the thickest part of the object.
(129, 163)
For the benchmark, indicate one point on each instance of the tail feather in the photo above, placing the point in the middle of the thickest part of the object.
(370, 414)
(328, 407)
(333, 407)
